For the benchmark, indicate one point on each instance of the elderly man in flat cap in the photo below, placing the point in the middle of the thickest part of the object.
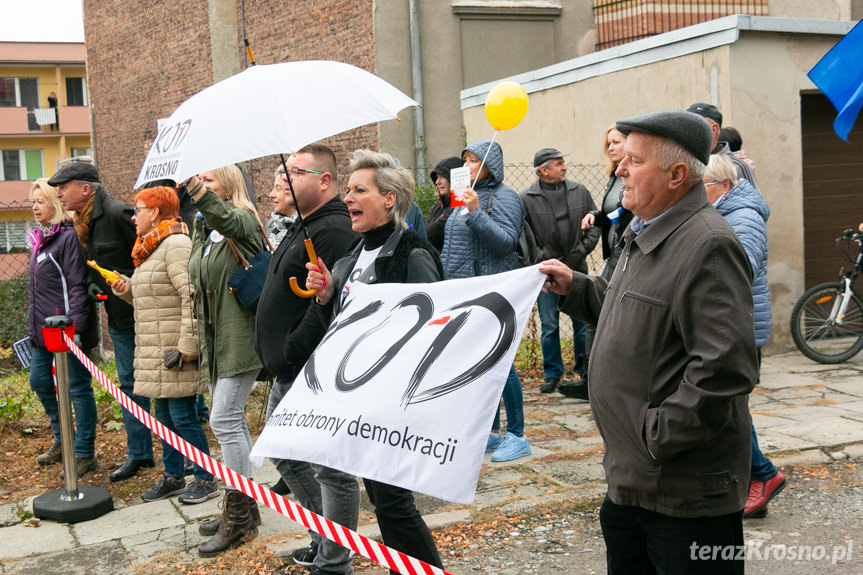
(107, 233)
(673, 361)
(555, 207)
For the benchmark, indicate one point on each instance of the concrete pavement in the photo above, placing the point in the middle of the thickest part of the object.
(804, 412)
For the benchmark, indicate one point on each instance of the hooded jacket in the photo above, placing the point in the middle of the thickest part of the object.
(58, 280)
(480, 243)
(747, 212)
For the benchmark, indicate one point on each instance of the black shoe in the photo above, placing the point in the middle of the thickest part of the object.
(83, 465)
(198, 491)
(188, 467)
(319, 571)
(280, 488)
(166, 487)
(574, 389)
(129, 468)
(306, 555)
(549, 385)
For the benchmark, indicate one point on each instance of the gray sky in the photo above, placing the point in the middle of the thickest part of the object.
(41, 21)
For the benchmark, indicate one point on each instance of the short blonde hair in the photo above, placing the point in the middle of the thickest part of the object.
(50, 194)
(390, 176)
(235, 187)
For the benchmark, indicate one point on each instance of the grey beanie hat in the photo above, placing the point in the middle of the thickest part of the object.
(689, 130)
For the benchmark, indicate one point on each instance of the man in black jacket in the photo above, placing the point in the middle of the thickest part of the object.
(555, 207)
(287, 332)
(105, 229)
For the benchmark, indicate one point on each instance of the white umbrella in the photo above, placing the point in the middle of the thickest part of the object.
(266, 110)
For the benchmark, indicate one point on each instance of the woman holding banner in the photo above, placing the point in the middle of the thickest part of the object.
(379, 195)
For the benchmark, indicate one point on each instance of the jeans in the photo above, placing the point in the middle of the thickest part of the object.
(642, 541)
(513, 402)
(80, 392)
(180, 416)
(325, 491)
(402, 527)
(228, 419)
(762, 468)
(138, 439)
(549, 318)
(201, 407)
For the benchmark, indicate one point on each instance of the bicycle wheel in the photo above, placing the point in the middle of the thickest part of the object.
(817, 336)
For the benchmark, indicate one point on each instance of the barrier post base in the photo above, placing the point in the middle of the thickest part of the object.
(92, 502)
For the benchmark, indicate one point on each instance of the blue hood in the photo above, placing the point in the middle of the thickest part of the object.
(743, 196)
(494, 161)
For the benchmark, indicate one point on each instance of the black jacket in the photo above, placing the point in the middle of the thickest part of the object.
(436, 223)
(284, 336)
(112, 236)
(572, 250)
(601, 218)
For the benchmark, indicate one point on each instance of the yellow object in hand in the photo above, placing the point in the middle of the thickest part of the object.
(109, 276)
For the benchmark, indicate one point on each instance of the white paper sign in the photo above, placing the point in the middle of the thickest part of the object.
(405, 384)
(459, 183)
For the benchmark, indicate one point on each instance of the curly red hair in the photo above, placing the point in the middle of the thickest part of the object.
(163, 198)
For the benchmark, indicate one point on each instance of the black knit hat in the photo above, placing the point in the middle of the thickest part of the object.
(689, 130)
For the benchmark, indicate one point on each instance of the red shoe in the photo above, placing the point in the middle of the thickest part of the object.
(760, 494)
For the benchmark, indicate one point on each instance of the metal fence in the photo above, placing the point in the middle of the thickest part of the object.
(16, 223)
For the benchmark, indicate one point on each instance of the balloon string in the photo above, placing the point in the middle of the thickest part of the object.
(481, 164)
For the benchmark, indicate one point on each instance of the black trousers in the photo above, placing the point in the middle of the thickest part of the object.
(402, 527)
(639, 541)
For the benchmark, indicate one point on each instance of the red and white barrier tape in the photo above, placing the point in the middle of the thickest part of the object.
(381, 554)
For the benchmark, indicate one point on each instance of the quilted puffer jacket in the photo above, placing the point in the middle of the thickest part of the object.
(160, 294)
(747, 212)
(480, 243)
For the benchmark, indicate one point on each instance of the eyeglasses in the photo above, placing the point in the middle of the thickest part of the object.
(294, 172)
(139, 208)
(714, 183)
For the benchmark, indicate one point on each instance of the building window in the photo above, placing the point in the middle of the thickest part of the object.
(20, 165)
(19, 92)
(78, 152)
(14, 236)
(76, 91)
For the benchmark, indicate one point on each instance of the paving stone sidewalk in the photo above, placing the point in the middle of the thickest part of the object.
(804, 412)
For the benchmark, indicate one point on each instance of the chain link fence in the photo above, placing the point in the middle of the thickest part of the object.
(16, 223)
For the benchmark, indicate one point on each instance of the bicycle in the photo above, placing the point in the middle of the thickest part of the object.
(827, 320)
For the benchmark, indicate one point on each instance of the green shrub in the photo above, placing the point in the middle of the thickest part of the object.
(425, 198)
(13, 309)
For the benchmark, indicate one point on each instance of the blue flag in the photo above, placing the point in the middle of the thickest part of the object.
(839, 76)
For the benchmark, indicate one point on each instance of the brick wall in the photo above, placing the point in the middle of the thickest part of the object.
(146, 57)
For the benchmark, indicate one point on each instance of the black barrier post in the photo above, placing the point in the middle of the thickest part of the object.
(74, 503)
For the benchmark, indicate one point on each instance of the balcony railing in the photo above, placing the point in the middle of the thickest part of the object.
(622, 21)
(16, 121)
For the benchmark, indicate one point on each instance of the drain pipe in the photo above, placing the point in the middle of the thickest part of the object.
(417, 82)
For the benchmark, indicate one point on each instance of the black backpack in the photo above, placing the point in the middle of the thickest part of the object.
(525, 250)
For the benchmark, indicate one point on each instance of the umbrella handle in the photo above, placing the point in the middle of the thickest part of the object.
(310, 249)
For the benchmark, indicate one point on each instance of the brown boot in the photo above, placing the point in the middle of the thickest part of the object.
(235, 527)
(209, 528)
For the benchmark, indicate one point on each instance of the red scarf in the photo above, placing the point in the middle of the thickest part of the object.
(146, 245)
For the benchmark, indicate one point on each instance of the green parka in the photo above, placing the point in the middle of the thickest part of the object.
(225, 329)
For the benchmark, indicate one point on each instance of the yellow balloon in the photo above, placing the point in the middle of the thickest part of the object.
(506, 105)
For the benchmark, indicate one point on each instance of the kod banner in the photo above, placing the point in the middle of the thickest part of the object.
(404, 386)
(163, 159)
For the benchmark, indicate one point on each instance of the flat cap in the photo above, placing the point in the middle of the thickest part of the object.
(82, 171)
(689, 130)
(707, 111)
(545, 155)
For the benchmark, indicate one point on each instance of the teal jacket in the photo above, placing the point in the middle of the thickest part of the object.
(225, 329)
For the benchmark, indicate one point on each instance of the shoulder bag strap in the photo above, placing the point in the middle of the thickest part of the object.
(241, 259)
